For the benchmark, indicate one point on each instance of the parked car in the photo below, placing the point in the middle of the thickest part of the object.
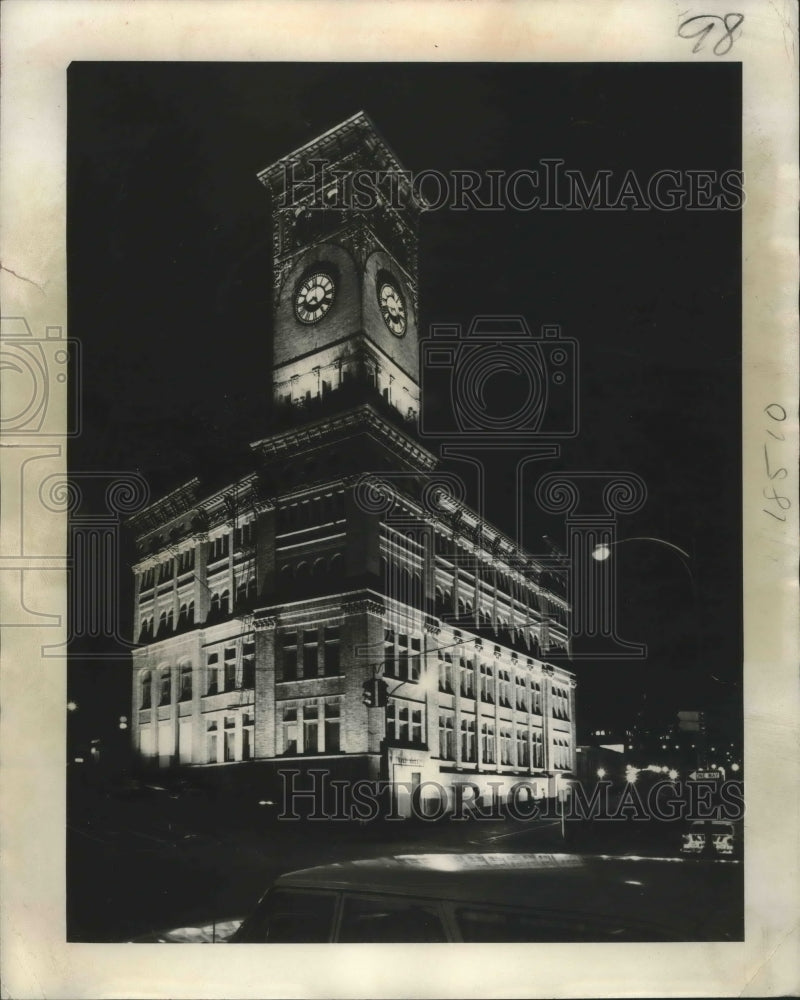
(709, 838)
(500, 898)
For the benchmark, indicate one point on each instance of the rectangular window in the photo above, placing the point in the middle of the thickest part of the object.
(468, 740)
(402, 658)
(230, 738)
(289, 729)
(230, 668)
(288, 657)
(249, 665)
(310, 729)
(247, 737)
(388, 653)
(505, 747)
(310, 646)
(446, 737)
(522, 695)
(332, 713)
(416, 725)
(467, 678)
(446, 673)
(332, 659)
(416, 659)
(537, 750)
(212, 664)
(523, 756)
(211, 742)
(487, 684)
(487, 743)
(402, 724)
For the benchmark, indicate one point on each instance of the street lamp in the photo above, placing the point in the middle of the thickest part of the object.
(602, 551)
(601, 772)
(673, 774)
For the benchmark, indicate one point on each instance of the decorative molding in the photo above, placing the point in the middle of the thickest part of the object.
(265, 624)
(362, 606)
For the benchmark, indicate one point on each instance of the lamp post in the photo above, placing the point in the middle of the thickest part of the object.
(602, 552)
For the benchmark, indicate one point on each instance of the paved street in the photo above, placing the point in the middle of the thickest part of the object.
(146, 863)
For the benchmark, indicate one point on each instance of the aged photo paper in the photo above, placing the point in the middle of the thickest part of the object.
(399, 499)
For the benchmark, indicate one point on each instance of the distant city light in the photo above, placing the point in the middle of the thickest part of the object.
(664, 769)
(601, 553)
(601, 772)
(673, 774)
(79, 760)
(734, 767)
(631, 774)
(72, 706)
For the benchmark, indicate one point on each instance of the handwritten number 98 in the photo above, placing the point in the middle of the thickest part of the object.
(702, 25)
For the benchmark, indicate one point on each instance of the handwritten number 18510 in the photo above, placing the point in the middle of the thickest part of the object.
(777, 414)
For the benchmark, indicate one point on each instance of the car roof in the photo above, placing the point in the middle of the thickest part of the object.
(565, 882)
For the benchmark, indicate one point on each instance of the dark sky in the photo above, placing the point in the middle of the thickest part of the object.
(169, 255)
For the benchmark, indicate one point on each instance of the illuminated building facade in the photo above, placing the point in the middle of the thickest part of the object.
(268, 605)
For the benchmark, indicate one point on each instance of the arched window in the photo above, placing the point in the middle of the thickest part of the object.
(320, 567)
(214, 611)
(190, 613)
(336, 565)
(166, 686)
(171, 620)
(182, 616)
(302, 572)
(225, 602)
(186, 682)
(146, 683)
(162, 623)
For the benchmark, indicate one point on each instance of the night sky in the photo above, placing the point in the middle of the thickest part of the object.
(169, 256)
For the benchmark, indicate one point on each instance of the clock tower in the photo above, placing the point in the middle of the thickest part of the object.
(345, 224)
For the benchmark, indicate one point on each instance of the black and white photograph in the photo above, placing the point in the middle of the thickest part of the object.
(404, 417)
(429, 414)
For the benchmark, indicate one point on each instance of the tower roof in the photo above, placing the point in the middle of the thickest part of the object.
(354, 143)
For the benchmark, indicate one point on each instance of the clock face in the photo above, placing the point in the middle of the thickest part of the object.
(393, 307)
(314, 297)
